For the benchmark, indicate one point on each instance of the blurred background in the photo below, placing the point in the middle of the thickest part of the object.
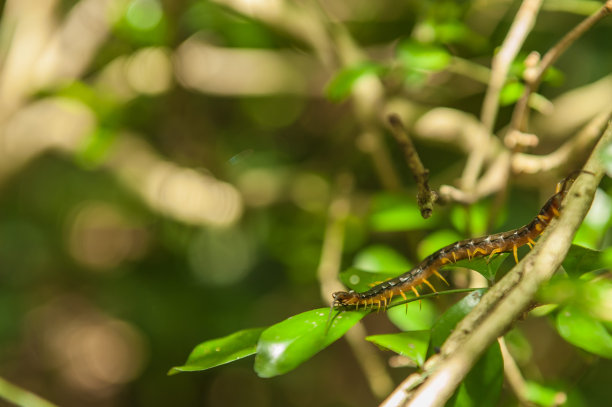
(167, 170)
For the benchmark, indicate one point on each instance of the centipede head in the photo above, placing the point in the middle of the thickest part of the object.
(564, 185)
(342, 298)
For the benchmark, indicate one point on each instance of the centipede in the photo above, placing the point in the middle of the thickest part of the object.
(380, 295)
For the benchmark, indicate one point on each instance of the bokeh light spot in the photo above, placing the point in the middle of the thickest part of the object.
(144, 14)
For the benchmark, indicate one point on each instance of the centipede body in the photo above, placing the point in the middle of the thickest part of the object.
(381, 295)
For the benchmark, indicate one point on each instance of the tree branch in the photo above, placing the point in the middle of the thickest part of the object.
(425, 196)
(505, 301)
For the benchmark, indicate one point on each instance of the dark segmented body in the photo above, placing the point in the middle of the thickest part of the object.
(464, 249)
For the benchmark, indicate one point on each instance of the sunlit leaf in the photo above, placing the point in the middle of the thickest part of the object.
(435, 241)
(394, 212)
(220, 351)
(381, 258)
(417, 316)
(284, 346)
(419, 56)
(584, 332)
(361, 280)
(412, 344)
(510, 93)
(342, 84)
(540, 394)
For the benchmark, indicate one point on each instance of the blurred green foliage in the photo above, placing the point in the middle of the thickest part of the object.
(159, 286)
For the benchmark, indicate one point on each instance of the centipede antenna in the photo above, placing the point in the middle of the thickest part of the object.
(328, 323)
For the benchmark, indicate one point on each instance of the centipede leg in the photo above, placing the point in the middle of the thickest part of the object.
(515, 254)
(440, 276)
(493, 252)
(429, 285)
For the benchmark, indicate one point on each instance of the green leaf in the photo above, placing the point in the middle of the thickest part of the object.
(284, 346)
(381, 258)
(581, 260)
(540, 394)
(416, 317)
(436, 240)
(360, 280)
(553, 76)
(445, 325)
(395, 212)
(423, 57)
(341, 86)
(220, 351)
(510, 93)
(96, 147)
(413, 344)
(482, 385)
(584, 332)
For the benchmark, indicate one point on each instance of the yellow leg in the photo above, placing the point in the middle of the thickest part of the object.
(515, 255)
(530, 240)
(555, 211)
(429, 285)
(469, 254)
(440, 276)
(480, 250)
(415, 291)
(454, 257)
(495, 251)
(403, 295)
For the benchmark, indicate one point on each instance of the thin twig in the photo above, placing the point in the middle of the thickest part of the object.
(505, 301)
(329, 266)
(425, 196)
(513, 374)
(521, 26)
(533, 76)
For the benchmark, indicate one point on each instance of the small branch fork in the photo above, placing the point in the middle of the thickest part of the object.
(534, 75)
(505, 301)
(425, 196)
